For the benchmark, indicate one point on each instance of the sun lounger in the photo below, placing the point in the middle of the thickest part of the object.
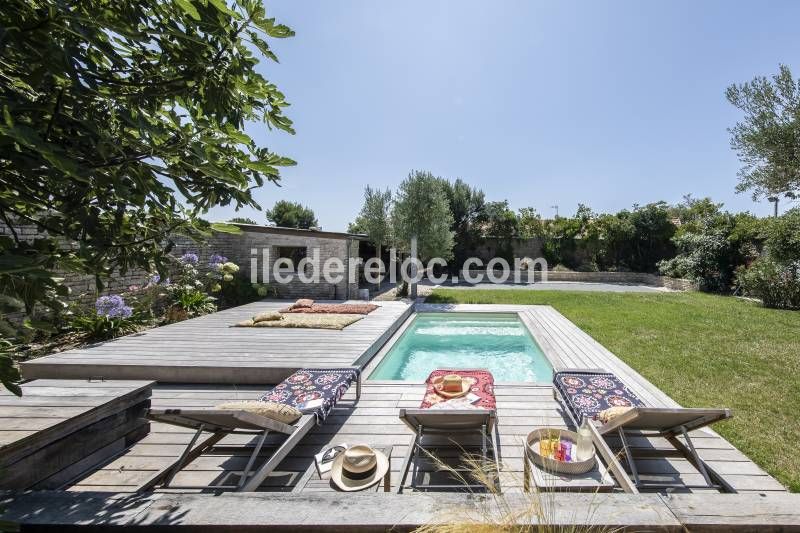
(322, 386)
(433, 425)
(585, 393)
(452, 425)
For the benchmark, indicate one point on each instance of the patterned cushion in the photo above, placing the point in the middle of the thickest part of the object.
(313, 390)
(481, 384)
(342, 309)
(585, 394)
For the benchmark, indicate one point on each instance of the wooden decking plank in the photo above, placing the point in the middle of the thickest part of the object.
(208, 349)
(371, 421)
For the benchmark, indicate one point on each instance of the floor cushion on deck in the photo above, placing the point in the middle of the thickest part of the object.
(267, 316)
(586, 394)
(310, 321)
(354, 309)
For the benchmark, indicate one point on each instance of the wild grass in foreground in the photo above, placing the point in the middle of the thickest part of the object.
(701, 349)
(495, 512)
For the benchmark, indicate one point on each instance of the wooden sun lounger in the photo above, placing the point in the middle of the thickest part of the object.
(219, 423)
(448, 423)
(669, 423)
(222, 422)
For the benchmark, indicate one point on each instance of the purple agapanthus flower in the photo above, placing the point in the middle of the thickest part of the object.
(189, 258)
(155, 278)
(113, 306)
(216, 259)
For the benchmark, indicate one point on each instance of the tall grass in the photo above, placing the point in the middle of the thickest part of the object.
(494, 511)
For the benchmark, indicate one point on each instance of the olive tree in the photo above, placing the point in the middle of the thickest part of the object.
(768, 137)
(422, 209)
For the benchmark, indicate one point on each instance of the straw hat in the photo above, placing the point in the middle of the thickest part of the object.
(438, 386)
(358, 468)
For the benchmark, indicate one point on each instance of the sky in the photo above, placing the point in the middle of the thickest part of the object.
(608, 104)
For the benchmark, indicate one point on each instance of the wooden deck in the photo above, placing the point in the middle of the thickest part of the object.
(374, 420)
(58, 429)
(521, 406)
(208, 350)
(761, 501)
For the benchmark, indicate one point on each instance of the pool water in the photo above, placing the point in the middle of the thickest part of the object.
(498, 342)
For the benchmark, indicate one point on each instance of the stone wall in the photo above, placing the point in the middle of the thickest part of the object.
(247, 251)
(639, 278)
(490, 247)
(82, 287)
(631, 278)
(239, 249)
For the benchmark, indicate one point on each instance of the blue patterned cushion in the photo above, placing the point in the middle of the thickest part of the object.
(585, 394)
(313, 390)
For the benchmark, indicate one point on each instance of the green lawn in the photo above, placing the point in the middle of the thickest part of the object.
(702, 350)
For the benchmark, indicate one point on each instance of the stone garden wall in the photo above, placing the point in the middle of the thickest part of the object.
(247, 251)
(237, 248)
(628, 278)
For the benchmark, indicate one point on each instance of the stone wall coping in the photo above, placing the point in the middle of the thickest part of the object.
(279, 230)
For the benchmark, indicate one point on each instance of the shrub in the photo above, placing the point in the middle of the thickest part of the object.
(187, 296)
(240, 292)
(704, 258)
(783, 237)
(150, 299)
(194, 302)
(111, 318)
(776, 285)
(221, 272)
(711, 248)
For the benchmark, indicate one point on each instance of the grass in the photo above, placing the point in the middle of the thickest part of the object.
(495, 511)
(702, 350)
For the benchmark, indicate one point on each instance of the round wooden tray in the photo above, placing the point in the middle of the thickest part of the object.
(551, 465)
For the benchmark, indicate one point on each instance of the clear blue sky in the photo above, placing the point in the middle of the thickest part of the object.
(603, 103)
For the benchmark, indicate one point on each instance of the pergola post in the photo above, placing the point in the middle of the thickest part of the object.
(412, 288)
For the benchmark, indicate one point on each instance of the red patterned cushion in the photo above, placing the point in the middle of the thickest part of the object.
(482, 385)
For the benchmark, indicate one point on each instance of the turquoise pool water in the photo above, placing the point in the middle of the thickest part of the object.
(498, 342)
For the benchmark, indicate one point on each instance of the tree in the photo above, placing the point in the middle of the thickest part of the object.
(501, 224)
(695, 213)
(421, 209)
(243, 220)
(529, 223)
(652, 236)
(783, 237)
(768, 138)
(374, 218)
(467, 206)
(109, 110)
(291, 215)
(615, 234)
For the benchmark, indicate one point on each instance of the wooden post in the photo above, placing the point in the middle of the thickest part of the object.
(412, 288)
(380, 264)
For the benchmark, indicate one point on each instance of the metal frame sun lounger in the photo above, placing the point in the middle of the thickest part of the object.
(667, 422)
(222, 422)
(448, 423)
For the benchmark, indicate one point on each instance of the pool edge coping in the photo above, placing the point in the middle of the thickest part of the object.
(370, 366)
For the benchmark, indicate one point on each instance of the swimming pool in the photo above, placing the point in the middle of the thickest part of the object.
(499, 342)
